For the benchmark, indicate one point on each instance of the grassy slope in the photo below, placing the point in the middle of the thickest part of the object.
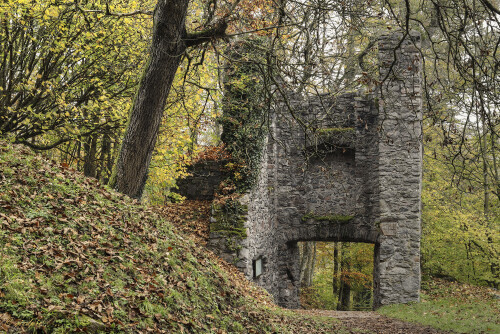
(452, 306)
(77, 257)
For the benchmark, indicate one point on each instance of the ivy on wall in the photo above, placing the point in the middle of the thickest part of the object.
(244, 113)
(244, 129)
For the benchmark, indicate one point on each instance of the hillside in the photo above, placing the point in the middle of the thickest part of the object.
(78, 257)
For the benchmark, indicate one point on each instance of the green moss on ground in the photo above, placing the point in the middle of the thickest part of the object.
(451, 306)
(79, 257)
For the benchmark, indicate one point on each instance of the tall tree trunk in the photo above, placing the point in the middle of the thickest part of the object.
(78, 153)
(311, 264)
(344, 303)
(65, 152)
(307, 263)
(167, 47)
(169, 43)
(89, 161)
(494, 265)
(336, 267)
(103, 172)
(486, 191)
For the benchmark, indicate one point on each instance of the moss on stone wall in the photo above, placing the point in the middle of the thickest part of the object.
(333, 131)
(229, 220)
(244, 130)
(330, 218)
(336, 135)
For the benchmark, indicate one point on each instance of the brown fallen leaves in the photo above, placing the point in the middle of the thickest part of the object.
(191, 217)
(437, 288)
(77, 257)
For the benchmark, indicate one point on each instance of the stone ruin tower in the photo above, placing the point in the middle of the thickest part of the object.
(354, 176)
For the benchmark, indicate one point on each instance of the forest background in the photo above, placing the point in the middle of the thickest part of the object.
(70, 71)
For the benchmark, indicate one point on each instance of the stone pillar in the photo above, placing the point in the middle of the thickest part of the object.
(397, 258)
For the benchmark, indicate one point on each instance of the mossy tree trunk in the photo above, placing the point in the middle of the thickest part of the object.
(103, 172)
(89, 161)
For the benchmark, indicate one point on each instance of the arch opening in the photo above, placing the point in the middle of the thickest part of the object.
(336, 275)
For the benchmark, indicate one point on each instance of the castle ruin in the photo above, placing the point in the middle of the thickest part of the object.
(359, 169)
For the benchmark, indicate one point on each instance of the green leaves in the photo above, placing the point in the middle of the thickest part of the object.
(458, 239)
(62, 68)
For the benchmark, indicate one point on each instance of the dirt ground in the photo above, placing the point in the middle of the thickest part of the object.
(371, 322)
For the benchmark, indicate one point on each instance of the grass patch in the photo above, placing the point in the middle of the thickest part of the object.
(451, 306)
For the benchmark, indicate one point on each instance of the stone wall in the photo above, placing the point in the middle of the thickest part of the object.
(399, 172)
(357, 161)
(203, 179)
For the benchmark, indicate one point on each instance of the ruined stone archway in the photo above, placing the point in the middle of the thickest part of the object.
(355, 176)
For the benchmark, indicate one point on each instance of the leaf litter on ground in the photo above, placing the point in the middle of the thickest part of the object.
(79, 257)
